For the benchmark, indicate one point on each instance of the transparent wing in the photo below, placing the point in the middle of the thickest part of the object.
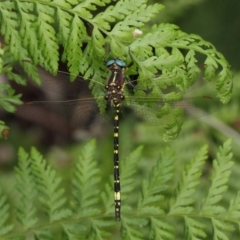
(153, 111)
(70, 105)
(63, 116)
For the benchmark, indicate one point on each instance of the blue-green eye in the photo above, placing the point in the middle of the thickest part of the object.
(119, 62)
(110, 62)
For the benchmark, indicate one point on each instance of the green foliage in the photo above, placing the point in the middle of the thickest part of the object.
(43, 205)
(163, 56)
(8, 98)
(86, 178)
(4, 215)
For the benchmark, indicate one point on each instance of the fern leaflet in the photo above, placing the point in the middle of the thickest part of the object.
(84, 183)
(48, 185)
(222, 165)
(188, 183)
(4, 215)
(27, 190)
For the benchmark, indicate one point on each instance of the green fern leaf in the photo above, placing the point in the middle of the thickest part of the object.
(64, 25)
(107, 198)
(136, 19)
(193, 71)
(4, 215)
(9, 26)
(17, 78)
(85, 7)
(194, 229)
(8, 98)
(188, 183)
(73, 50)
(74, 231)
(98, 229)
(219, 227)
(128, 170)
(161, 230)
(30, 39)
(211, 66)
(224, 85)
(173, 128)
(119, 11)
(156, 183)
(98, 42)
(48, 185)
(43, 234)
(234, 208)
(27, 190)
(222, 165)
(85, 35)
(132, 228)
(151, 221)
(84, 182)
(48, 42)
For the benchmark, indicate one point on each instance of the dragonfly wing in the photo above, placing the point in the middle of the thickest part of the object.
(153, 111)
(61, 84)
(62, 116)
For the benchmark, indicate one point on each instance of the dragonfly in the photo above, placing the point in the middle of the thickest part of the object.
(117, 94)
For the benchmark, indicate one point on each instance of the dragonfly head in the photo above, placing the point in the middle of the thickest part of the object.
(116, 64)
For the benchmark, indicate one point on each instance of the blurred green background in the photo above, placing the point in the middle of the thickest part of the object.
(215, 21)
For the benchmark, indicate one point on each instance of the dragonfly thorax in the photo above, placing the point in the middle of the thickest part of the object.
(114, 93)
(116, 81)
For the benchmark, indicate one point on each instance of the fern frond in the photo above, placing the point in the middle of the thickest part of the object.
(140, 16)
(73, 231)
(37, 180)
(25, 10)
(132, 228)
(114, 26)
(234, 208)
(27, 190)
(8, 99)
(48, 41)
(177, 65)
(164, 55)
(156, 184)
(160, 229)
(98, 229)
(194, 229)
(73, 48)
(188, 184)
(4, 215)
(107, 198)
(128, 168)
(64, 22)
(45, 234)
(84, 182)
(222, 170)
(117, 12)
(9, 26)
(219, 227)
(85, 7)
(48, 184)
